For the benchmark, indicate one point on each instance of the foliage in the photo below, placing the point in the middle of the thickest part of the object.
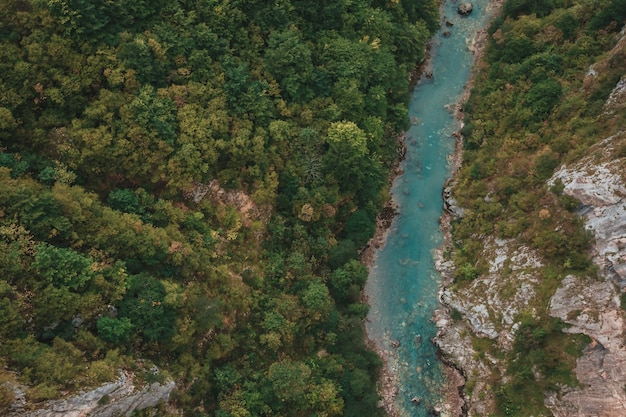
(189, 183)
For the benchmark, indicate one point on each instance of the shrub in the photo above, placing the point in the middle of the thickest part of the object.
(125, 200)
(467, 272)
(114, 330)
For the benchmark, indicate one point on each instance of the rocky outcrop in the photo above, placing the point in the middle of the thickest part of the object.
(242, 202)
(489, 306)
(450, 204)
(115, 399)
(592, 306)
(599, 186)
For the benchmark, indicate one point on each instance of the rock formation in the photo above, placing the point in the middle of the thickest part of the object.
(115, 399)
(465, 9)
(590, 306)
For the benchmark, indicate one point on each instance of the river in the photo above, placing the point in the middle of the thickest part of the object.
(402, 287)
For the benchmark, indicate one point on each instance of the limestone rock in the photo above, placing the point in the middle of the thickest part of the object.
(592, 306)
(600, 188)
(115, 399)
(450, 203)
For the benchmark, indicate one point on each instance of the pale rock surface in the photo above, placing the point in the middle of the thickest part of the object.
(115, 399)
(592, 306)
(488, 305)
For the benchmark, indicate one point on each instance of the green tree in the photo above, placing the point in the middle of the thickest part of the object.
(11, 321)
(125, 200)
(154, 113)
(542, 98)
(63, 267)
(290, 383)
(317, 300)
(116, 331)
(289, 60)
(144, 305)
(346, 282)
(347, 154)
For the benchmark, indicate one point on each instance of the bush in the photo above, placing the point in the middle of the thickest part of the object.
(467, 272)
(614, 12)
(342, 253)
(544, 168)
(125, 200)
(144, 306)
(360, 227)
(114, 330)
(542, 98)
(516, 8)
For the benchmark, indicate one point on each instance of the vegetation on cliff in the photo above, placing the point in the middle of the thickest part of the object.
(531, 109)
(186, 183)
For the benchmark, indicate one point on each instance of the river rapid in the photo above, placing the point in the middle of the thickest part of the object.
(403, 284)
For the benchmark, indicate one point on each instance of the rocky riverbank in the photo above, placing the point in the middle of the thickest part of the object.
(388, 380)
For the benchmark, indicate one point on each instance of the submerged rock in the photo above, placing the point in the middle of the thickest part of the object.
(465, 9)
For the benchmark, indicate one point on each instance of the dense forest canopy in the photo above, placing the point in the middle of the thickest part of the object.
(187, 184)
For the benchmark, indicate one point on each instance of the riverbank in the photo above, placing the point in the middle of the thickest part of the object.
(388, 380)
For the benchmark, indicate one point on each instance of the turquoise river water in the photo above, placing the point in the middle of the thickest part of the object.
(403, 284)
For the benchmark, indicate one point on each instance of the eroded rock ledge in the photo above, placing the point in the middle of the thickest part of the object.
(118, 398)
(592, 306)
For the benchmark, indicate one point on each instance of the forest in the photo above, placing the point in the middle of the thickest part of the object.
(186, 185)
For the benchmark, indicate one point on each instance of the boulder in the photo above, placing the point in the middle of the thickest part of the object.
(465, 8)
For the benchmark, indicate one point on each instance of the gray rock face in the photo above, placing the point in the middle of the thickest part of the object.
(116, 399)
(450, 204)
(489, 306)
(592, 307)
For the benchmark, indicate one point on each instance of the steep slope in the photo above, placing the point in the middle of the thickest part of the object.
(185, 185)
(536, 258)
(594, 307)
